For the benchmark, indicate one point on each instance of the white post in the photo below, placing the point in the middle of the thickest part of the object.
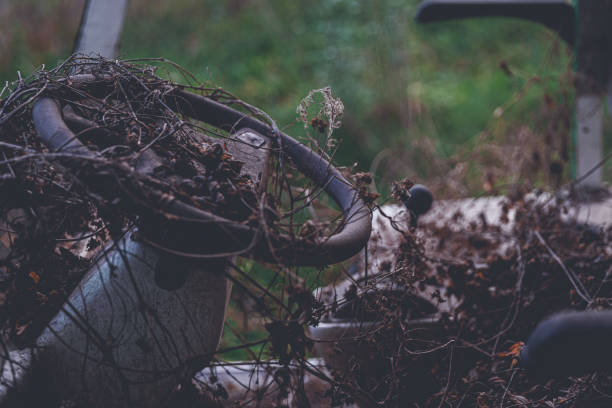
(610, 95)
(589, 116)
(101, 27)
(593, 58)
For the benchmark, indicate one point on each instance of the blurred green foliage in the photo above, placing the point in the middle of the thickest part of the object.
(398, 81)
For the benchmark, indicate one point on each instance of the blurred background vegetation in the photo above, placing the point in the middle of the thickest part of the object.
(467, 108)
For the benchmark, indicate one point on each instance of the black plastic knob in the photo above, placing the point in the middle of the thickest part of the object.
(420, 199)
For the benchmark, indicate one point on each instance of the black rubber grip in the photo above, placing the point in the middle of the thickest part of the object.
(569, 344)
